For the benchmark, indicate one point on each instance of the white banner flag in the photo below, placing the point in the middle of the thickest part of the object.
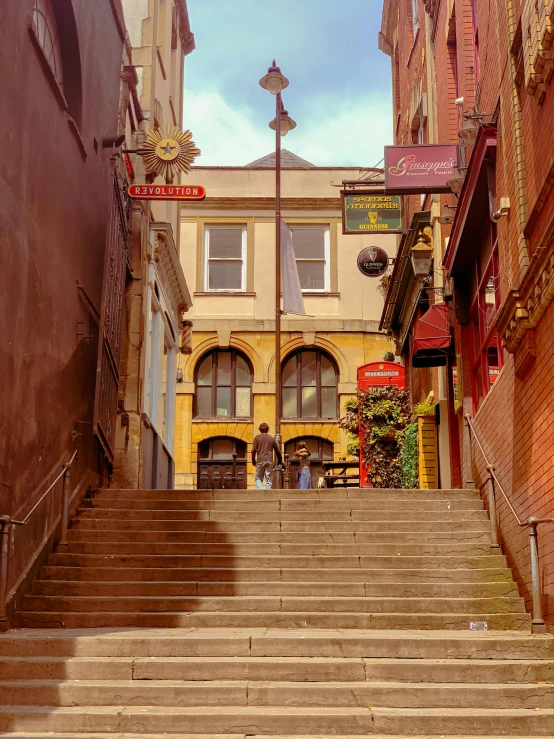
(292, 294)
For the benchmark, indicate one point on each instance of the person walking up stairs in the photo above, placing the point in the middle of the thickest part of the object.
(280, 612)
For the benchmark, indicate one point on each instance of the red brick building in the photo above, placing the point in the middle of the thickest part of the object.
(485, 66)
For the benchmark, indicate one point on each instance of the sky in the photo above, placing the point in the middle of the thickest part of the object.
(340, 83)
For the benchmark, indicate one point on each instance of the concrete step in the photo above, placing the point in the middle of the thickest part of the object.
(254, 720)
(295, 669)
(74, 619)
(100, 534)
(315, 493)
(360, 694)
(345, 514)
(280, 561)
(275, 588)
(244, 574)
(269, 604)
(271, 548)
(97, 735)
(295, 504)
(365, 528)
(490, 646)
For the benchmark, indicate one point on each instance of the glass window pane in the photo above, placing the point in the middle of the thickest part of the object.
(243, 402)
(225, 243)
(328, 402)
(328, 376)
(309, 243)
(289, 373)
(313, 446)
(290, 409)
(308, 368)
(243, 372)
(225, 275)
(223, 401)
(222, 449)
(205, 372)
(309, 402)
(312, 275)
(224, 368)
(204, 402)
(327, 450)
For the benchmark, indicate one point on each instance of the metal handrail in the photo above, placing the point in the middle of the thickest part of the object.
(7, 524)
(532, 523)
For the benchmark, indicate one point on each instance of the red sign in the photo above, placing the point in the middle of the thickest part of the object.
(419, 168)
(167, 192)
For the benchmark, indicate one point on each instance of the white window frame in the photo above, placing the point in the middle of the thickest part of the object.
(207, 259)
(326, 253)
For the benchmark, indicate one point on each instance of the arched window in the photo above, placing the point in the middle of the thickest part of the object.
(309, 383)
(54, 30)
(223, 386)
(46, 31)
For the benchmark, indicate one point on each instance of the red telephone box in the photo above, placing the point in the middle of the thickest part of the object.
(378, 374)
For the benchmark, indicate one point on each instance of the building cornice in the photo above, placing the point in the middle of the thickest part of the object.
(245, 203)
(185, 34)
(169, 267)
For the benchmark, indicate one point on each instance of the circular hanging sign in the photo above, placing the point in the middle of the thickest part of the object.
(373, 261)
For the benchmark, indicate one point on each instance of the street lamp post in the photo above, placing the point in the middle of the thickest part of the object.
(274, 81)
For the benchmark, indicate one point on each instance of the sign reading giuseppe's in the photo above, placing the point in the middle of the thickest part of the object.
(419, 168)
(167, 192)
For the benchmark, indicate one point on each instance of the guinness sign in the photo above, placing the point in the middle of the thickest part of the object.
(373, 261)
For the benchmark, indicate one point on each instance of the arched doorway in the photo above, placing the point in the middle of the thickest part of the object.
(215, 463)
(320, 450)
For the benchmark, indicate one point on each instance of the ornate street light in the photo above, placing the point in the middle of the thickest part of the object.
(421, 256)
(275, 81)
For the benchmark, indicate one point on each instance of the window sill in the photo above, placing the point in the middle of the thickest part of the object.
(316, 294)
(222, 419)
(225, 294)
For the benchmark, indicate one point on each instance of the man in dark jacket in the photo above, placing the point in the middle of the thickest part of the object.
(262, 456)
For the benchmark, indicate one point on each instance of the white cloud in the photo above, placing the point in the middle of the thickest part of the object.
(329, 132)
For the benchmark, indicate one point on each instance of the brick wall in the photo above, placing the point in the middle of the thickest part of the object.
(515, 426)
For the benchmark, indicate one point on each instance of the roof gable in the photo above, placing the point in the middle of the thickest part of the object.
(288, 161)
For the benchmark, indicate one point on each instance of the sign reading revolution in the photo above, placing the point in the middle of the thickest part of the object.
(370, 212)
(166, 192)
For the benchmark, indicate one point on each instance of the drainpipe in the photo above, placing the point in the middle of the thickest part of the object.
(517, 129)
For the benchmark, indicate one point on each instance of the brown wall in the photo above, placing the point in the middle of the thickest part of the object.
(53, 210)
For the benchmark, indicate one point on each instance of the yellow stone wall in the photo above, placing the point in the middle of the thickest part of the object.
(349, 350)
(343, 320)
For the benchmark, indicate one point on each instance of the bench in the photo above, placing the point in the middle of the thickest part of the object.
(331, 480)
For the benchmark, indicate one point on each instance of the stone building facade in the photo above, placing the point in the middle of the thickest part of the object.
(157, 296)
(228, 250)
(493, 58)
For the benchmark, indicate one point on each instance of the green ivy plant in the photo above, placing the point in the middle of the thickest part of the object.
(409, 463)
(385, 413)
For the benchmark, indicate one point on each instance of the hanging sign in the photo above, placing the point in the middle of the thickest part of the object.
(368, 211)
(373, 261)
(167, 192)
(419, 168)
(166, 152)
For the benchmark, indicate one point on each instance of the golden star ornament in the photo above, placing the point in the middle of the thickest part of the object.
(167, 152)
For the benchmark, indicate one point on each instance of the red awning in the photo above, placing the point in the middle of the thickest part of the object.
(432, 332)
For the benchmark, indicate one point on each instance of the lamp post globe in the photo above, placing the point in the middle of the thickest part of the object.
(274, 81)
(287, 123)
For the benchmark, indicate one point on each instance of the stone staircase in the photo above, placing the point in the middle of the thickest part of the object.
(288, 613)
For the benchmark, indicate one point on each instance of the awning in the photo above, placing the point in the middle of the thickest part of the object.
(432, 338)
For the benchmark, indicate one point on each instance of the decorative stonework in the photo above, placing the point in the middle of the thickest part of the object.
(169, 267)
(524, 307)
